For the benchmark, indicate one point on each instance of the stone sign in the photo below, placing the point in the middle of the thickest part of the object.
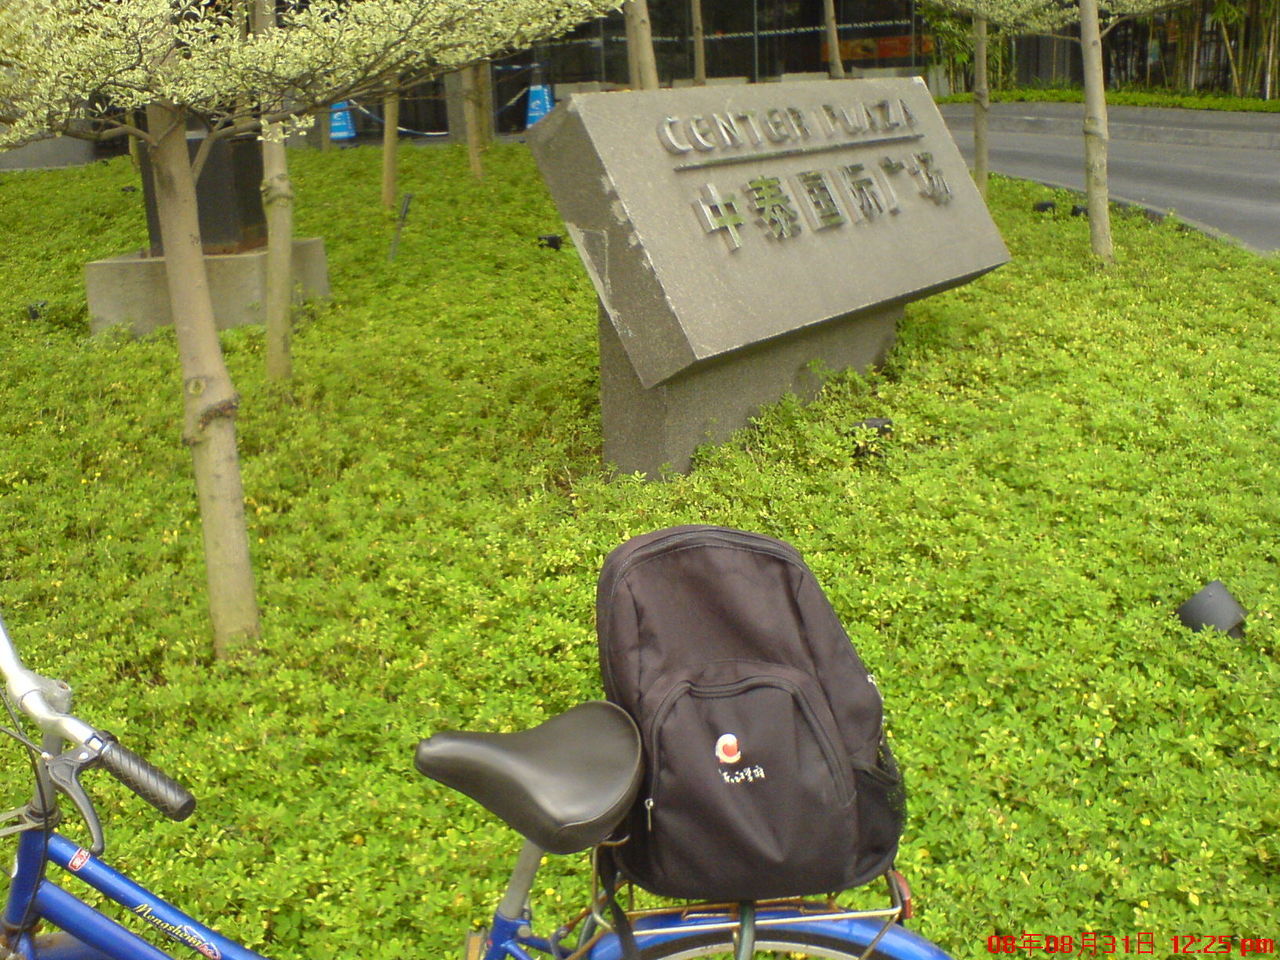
(736, 236)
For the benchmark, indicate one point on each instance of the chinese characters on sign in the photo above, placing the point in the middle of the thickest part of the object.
(826, 196)
(848, 193)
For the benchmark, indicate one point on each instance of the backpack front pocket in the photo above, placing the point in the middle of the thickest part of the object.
(751, 794)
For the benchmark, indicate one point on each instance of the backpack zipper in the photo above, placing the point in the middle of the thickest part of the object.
(723, 535)
(710, 535)
(651, 747)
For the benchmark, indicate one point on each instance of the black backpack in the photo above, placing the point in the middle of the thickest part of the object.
(767, 770)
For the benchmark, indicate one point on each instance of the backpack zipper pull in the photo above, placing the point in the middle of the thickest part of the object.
(648, 812)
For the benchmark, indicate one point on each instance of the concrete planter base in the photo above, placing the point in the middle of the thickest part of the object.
(131, 289)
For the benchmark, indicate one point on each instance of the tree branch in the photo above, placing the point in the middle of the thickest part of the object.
(179, 118)
(122, 129)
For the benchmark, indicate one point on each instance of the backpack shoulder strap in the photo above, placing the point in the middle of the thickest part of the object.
(607, 875)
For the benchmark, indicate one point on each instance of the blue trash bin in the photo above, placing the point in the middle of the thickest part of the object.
(540, 104)
(341, 124)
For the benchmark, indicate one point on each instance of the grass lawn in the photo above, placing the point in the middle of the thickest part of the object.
(1075, 453)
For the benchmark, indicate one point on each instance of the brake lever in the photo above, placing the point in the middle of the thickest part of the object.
(64, 771)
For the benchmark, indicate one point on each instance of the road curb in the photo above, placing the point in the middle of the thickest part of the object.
(962, 119)
(1157, 214)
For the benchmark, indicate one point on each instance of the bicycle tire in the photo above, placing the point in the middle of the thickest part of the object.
(780, 945)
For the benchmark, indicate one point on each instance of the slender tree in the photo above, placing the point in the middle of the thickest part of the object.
(184, 61)
(277, 203)
(835, 60)
(390, 143)
(1097, 135)
(640, 57)
(1226, 15)
(1270, 48)
(1095, 18)
(476, 115)
(699, 44)
(981, 105)
(324, 129)
(1020, 14)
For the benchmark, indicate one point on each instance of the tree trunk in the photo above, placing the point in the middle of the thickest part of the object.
(1096, 134)
(277, 202)
(1182, 50)
(835, 61)
(484, 102)
(1231, 58)
(1250, 50)
(633, 69)
(640, 45)
(1274, 35)
(390, 140)
(1187, 49)
(1193, 60)
(324, 128)
(474, 117)
(135, 145)
(981, 106)
(209, 397)
(699, 45)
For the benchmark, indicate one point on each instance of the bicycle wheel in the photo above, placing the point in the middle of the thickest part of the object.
(782, 945)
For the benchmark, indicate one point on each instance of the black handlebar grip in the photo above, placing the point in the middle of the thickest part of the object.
(150, 783)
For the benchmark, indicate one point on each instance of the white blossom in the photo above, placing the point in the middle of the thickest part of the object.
(1048, 16)
(64, 62)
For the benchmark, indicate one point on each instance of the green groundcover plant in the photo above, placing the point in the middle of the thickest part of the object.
(1075, 452)
(1126, 97)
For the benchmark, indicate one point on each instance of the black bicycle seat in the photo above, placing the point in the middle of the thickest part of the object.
(564, 784)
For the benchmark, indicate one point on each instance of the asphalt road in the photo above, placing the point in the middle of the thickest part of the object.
(1215, 170)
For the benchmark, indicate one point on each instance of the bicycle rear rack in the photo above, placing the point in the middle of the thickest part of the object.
(803, 911)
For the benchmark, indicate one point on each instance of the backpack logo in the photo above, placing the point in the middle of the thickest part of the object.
(727, 750)
(728, 753)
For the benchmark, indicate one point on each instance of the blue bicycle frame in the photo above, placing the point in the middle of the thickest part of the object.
(94, 936)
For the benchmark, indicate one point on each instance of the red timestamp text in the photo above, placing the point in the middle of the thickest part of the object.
(1224, 945)
(1094, 944)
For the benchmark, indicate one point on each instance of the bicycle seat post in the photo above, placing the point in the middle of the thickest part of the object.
(516, 898)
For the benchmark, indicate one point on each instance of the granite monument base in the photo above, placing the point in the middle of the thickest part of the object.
(132, 289)
(655, 430)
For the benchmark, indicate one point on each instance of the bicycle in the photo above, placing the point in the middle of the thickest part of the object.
(564, 785)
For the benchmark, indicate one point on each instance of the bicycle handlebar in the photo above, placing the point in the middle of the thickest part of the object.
(31, 693)
(149, 782)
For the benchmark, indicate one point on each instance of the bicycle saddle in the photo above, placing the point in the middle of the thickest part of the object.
(564, 784)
